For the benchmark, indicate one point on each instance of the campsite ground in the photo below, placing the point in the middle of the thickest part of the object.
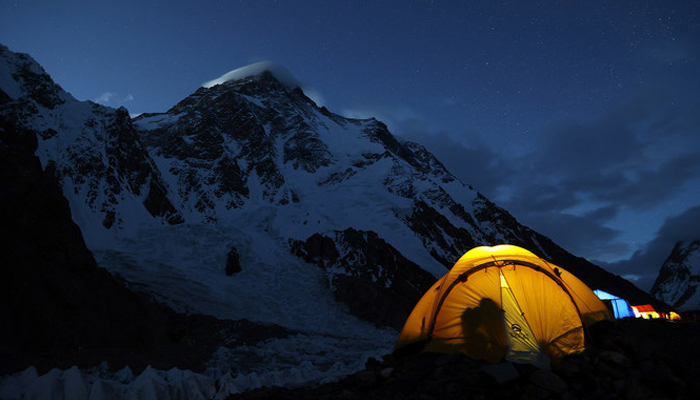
(635, 359)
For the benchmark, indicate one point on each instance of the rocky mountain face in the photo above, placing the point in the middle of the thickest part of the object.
(252, 167)
(679, 278)
(57, 307)
(93, 149)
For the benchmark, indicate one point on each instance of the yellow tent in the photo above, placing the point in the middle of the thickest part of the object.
(504, 302)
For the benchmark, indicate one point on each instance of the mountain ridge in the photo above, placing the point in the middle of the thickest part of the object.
(59, 309)
(337, 226)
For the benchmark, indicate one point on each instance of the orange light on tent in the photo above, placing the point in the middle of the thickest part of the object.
(513, 306)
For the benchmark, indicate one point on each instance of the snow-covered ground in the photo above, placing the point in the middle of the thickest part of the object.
(183, 266)
(293, 361)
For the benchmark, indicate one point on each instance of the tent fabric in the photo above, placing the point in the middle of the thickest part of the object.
(504, 302)
(646, 311)
(620, 307)
(521, 345)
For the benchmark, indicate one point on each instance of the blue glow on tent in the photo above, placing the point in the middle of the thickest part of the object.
(621, 308)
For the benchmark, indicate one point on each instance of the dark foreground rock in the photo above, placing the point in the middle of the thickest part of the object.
(635, 359)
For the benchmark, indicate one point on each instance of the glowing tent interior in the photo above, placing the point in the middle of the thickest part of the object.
(620, 307)
(504, 302)
(646, 311)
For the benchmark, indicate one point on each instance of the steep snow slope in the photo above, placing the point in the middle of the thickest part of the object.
(183, 266)
(679, 277)
(109, 181)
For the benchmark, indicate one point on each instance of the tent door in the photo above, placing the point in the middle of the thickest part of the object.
(522, 347)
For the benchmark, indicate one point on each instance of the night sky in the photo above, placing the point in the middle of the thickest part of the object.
(580, 118)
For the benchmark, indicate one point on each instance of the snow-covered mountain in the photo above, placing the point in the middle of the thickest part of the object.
(679, 277)
(248, 201)
(250, 163)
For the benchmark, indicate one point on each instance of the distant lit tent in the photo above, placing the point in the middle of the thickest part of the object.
(674, 316)
(620, 307)
(503, 302)
(647, 311)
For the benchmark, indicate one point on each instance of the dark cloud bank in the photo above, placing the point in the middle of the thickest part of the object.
(636, 160)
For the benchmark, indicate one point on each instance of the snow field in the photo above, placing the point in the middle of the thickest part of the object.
(189, 276)
(98, 384)
(295, 361)
(184, 266)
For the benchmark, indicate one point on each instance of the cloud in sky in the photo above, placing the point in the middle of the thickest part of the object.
(107, 98)
(606, 162)
(684, 227)
(314, 95)
(587, 184)
(104, 98)
(279, 71)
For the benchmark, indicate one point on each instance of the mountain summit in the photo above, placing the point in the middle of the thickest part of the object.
(249, 165)
(280, 73)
